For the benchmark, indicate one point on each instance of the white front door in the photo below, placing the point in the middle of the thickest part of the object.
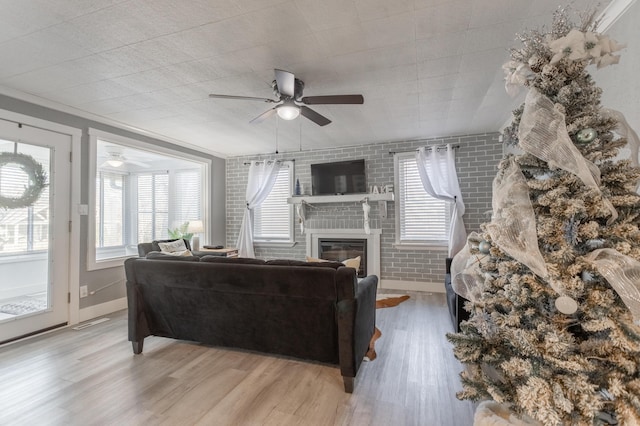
(34, 229)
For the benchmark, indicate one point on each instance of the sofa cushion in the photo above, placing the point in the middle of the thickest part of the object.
(291, 262)
(236, 260)
(158, 255)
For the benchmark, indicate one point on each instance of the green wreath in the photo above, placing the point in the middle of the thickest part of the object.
(37, 180)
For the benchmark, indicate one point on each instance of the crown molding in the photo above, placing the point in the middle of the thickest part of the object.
(46, 103)
(612, 13)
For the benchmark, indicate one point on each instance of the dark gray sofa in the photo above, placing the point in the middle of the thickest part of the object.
(310, 311)
(454, 300)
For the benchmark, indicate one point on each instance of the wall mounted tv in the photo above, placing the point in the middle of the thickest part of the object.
(343, 177)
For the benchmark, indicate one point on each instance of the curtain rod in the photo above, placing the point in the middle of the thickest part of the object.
(21, 125)
(437, 147)
(248, 163)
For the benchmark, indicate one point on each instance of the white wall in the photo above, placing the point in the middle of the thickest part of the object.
(621, 83)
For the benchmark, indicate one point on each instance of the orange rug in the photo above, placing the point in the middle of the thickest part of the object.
(388, 302)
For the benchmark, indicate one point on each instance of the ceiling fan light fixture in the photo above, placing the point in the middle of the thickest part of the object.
(288, 112)
(115, 163)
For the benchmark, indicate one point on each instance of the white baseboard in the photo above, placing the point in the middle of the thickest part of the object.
(106, 308)
(412, 286)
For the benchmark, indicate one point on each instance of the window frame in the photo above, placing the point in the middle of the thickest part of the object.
(94, 134)
(414, 244)
(289, 242)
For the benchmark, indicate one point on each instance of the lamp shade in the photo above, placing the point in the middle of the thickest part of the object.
(115, 163)
(195, 227)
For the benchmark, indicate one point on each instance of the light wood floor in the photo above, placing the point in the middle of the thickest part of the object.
(91, 377)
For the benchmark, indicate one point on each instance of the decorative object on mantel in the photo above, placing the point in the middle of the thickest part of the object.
(298, 188)
(366, 208)
(300, 212)
(36, 175)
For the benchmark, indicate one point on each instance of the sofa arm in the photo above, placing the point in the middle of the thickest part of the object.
(356, 325)
(138, 326)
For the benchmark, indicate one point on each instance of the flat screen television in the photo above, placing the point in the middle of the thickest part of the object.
(343, 177)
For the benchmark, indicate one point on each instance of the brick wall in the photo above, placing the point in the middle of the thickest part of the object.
(476, 161)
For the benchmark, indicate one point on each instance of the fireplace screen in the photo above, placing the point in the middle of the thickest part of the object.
(342, 249)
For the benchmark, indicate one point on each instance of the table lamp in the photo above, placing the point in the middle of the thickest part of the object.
(195, 227)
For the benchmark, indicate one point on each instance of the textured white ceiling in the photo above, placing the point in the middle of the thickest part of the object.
(426, 68)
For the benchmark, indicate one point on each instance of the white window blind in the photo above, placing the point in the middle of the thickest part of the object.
(188, 187)
(153, 206)
(421, 218)
(273, 219)
(110, 193)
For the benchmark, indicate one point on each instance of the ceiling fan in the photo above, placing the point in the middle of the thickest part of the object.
(115, 158)
(290, 103)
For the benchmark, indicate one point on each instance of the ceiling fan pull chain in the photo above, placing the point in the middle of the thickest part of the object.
(277, 121)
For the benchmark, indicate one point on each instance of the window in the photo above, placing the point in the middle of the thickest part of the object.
(110, 208)
(420, 218)
(26, 229)
(140, 193)
(153, 206)
(273, 219)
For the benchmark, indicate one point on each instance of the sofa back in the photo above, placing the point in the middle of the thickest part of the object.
(289, 310)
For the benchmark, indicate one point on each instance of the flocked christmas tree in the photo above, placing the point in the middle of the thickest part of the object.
(553, 278)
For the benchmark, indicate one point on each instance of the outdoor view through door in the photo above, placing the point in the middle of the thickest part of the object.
(24, 236)
(34, 235)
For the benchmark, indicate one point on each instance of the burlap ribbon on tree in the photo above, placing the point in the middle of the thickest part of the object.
(543, 133)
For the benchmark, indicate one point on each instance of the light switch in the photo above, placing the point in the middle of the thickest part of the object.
(83, 209)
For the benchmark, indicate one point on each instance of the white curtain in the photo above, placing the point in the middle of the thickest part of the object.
(437, 170)
(262, 177)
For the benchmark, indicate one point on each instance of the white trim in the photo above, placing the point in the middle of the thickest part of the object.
(612, 13)
(74, 214)
(412, 286)
(13, 93)
(95, 134)
(106, 308)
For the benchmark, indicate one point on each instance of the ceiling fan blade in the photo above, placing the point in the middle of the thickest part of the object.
(333, 99)
(268, 113)
(320, 120)
(286, 82)
(244, 98)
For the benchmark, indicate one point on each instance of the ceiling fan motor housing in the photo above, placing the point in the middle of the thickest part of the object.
(298, 89)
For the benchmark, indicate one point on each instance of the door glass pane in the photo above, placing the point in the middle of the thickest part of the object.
(24, 237)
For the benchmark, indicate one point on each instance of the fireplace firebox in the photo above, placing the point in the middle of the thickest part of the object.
(342, 249)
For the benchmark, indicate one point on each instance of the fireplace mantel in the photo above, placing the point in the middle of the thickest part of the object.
(382, 199)
(346, 198)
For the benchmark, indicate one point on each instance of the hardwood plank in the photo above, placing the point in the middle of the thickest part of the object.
(91, 376)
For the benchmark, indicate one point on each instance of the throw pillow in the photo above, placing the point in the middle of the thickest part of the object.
(156, 247)
(175, 248)
(170, 247)
(350, 263)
